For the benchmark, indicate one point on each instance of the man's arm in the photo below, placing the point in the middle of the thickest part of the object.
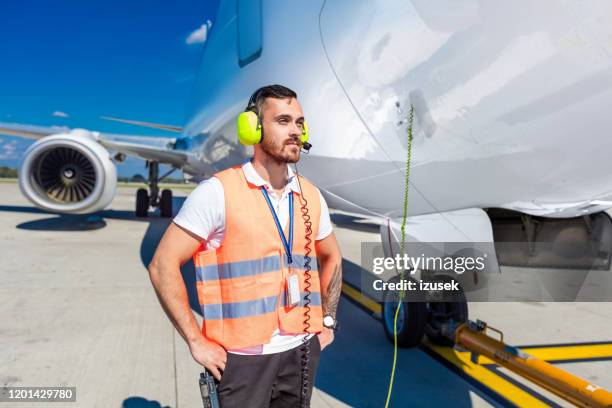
(175, 248)
(330, 276)
(330, 273)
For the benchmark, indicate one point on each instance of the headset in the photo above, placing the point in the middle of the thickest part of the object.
(249, 125)
(250, 132)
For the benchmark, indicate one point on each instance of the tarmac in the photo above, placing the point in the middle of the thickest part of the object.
(79, 310)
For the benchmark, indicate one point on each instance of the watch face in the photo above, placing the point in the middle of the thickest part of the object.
(328, 321)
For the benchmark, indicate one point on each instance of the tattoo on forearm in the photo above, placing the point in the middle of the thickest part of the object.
(331, 297)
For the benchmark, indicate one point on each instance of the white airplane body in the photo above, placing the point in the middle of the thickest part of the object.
(509, 108)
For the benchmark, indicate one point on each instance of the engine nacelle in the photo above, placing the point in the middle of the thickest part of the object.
(68, 173)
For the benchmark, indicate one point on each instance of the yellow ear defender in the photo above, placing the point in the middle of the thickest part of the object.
(249, 126)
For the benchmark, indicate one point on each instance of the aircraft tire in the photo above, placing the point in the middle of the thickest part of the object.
(142, 202)
(411, 318)
(165, 204)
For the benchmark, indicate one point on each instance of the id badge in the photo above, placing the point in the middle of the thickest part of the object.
(293, 290)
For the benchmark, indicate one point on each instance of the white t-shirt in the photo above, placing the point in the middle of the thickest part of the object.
(203, 213)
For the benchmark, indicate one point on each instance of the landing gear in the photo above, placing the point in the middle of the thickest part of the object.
(152, 198)
(453, 309)
(425, 315)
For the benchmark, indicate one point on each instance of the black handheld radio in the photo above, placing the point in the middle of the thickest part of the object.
(208, 390)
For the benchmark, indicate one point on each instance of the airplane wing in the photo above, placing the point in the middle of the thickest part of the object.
(160, 149)
(169, 128)
(148, 151)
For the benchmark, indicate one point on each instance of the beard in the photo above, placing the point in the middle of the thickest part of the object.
(281, 152)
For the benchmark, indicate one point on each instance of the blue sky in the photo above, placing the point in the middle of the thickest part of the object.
(69, 62)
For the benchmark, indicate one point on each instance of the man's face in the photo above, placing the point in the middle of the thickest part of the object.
(283, 121)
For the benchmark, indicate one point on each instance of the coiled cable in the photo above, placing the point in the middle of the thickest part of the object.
(305, 347)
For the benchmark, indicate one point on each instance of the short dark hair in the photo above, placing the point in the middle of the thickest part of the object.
(269, 91)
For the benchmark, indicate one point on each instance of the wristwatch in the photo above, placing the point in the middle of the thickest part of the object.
(330, 322)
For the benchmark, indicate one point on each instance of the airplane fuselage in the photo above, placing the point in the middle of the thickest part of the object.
(508, 100)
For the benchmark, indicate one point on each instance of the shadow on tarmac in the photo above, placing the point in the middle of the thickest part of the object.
(139, 402)
(356, 368)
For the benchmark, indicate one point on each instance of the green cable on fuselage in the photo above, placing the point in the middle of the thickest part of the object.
(402, 245)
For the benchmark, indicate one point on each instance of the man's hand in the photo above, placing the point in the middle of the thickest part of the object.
(209, 354)
(326, 337)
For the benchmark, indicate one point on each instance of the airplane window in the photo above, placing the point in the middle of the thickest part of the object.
(249, 31)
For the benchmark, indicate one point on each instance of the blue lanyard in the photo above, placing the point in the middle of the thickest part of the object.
(288, 246)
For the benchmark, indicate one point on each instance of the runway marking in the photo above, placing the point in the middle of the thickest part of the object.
(483, 372)
(510, 392)
(360, 298)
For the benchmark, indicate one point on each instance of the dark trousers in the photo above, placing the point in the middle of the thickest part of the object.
(267, 380)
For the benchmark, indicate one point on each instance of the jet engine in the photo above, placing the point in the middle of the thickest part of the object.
(68, 173)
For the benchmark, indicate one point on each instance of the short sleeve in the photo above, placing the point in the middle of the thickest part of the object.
(203, 212)
(325, 225)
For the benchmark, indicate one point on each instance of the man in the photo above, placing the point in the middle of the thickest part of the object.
(253, 336)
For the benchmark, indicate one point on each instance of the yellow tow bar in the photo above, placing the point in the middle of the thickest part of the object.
(473, 337)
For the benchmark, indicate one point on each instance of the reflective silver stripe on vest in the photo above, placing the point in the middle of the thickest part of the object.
(315, 299)
(241, 269)
(235, 310)
(299, 261)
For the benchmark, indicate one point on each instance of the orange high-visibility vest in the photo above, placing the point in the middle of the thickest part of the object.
(241, 284)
